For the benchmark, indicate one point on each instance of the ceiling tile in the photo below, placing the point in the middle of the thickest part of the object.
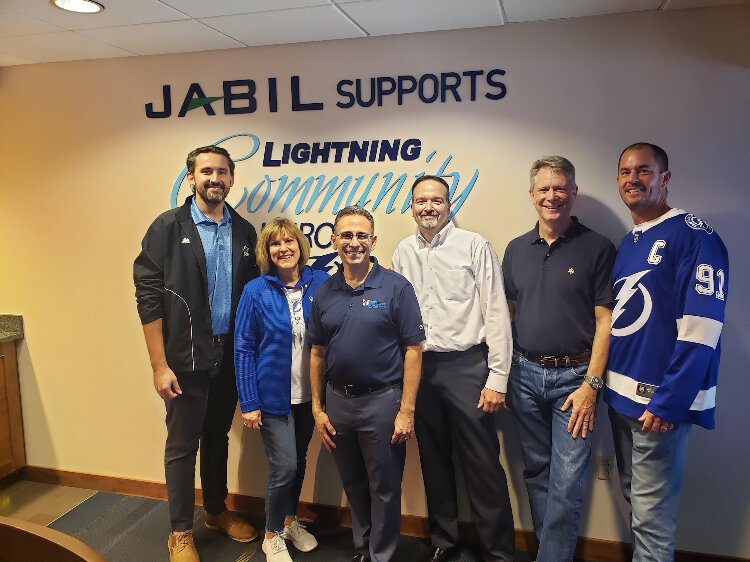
(165, 37)
(389, 17)
(65, 45)
(537, 10)
(298, 25)
(116, 12)
(13, 24)
(10, 60)
(203, 9)
(684, 4)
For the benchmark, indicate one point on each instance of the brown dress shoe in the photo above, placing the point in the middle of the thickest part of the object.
(182, 548)
(232, 525)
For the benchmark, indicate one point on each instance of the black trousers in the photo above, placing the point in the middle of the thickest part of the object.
(201, 415)
(448, 420)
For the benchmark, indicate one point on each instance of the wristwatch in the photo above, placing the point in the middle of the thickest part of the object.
(595, 382)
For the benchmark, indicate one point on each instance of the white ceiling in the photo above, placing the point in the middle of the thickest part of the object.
(34, 31)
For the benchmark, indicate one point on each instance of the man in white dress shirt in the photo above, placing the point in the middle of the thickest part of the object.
(458, 280)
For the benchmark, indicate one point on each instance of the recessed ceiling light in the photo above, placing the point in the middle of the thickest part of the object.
(80, 6)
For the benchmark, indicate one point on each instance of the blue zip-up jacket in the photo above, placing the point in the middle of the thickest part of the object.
(263, 341)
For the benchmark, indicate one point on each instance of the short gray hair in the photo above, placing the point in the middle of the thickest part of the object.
(556, 163)
(354, 210)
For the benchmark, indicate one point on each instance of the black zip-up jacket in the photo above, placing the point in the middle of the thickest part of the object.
(171, 283)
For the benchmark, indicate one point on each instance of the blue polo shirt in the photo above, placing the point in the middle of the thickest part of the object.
(217, 246)
(365, 329)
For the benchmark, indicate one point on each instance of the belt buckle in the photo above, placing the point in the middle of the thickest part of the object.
(348, 389)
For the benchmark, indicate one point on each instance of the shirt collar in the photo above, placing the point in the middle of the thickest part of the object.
(439, 238)
(574, 229)
(199, 216)
(643, 227)
(373, 280)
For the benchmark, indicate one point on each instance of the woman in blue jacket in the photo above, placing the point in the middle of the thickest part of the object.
(273, 374)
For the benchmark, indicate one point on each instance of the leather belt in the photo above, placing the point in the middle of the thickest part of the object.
(558, 360)
(360, 390)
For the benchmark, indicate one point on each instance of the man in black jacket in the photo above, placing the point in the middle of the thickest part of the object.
(194, 262)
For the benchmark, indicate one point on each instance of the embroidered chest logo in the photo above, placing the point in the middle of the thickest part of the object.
(372, 303)
(627, 301)
(571, 271)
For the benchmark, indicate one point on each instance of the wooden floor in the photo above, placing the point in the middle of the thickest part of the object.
(40, 503)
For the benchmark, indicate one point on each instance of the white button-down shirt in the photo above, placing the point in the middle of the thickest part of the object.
(459, 284)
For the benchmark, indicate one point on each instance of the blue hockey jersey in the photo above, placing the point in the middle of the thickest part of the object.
(670, 279)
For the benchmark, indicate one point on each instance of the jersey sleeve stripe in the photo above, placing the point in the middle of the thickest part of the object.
(705, 400)
(698, 329)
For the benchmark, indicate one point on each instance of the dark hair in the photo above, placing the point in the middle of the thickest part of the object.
(556, 163)
(433, 178)
(354, 210)
(659, 154)
(210, 148)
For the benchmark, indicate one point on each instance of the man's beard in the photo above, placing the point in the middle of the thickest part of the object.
(212, 196)
(428, 221)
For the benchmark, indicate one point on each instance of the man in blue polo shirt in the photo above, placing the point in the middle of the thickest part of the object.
(366, 330)
(557, 281)
(193, 264)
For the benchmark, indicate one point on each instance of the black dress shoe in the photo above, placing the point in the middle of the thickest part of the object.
(359, 557)
(438, 554)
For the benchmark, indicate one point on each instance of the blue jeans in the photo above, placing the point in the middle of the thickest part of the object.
(286, 438)
(554, 463)
(650, 467)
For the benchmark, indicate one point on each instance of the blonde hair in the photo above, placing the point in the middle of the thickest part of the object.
(277, 227)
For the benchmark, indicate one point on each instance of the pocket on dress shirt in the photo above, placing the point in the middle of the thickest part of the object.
(456, 284)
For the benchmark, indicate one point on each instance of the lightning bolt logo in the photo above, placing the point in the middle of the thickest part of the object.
(630, 286)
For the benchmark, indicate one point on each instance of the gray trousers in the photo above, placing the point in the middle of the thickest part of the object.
(201, 415)
(371, 468)
(448, 420)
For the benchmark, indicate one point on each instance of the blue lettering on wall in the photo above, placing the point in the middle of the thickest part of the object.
(329, 194)
(242, 96)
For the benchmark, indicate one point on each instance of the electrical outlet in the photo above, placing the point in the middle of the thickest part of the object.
(604, 467)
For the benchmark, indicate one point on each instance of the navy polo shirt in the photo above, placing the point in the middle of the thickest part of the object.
(556, 288)
(365, 329)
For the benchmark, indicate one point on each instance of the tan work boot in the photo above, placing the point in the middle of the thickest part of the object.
(232, 525)
(182, 548)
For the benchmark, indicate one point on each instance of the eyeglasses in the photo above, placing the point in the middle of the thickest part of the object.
(349, 236)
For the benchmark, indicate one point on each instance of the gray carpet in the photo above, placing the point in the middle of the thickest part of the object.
(131, 529)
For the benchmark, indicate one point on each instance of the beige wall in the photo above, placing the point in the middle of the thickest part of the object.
(84, 173)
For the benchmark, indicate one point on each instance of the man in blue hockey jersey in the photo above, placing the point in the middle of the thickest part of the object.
(670, 280)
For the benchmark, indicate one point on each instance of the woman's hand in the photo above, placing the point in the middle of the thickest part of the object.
(252, 419)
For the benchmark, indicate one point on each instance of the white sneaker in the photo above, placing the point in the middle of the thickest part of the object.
(301, 539)
(275, 549)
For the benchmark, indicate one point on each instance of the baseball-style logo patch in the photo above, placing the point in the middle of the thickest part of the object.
(697, 223)
(372, 303)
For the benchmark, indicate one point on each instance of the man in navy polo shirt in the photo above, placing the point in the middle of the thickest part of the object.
(366, 330)
(557, 281)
